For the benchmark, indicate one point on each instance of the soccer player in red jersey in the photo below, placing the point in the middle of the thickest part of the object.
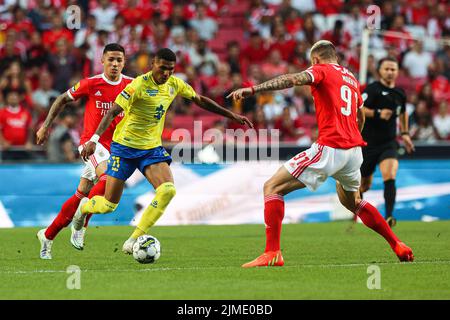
(337, 152)
(101, 91)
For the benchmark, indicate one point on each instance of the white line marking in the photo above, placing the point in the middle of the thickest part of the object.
(349, 265)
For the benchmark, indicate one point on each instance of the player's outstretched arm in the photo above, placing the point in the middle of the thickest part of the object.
(89, 147)
(278, 83)
(57, 106)
(210, 105)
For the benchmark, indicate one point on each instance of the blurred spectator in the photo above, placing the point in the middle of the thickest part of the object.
(57, 32)
(43, 94)
(87, 34)
(220, 83)
(416, 61)
(134, 14)
(289, 127)
(438, 24)
(398, 37)
(423, 128)
(177, 18)
(205, 26)
(245, 106)
(274, 66)
(37, 55)
(338, 36)
(387, 15)
(354, 24)
(15, 124)
(61, 145)
(256, 50)
(104, 15)
(442, 120)
(62, 66)
(234, 58)
(15, 78)
(20, 24)
(309, 32)
(203, 59)
(282, 41)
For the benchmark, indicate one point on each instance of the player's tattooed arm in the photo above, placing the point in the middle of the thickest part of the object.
(57, 106)
(285, 81)
(210, 105)
(90, 146)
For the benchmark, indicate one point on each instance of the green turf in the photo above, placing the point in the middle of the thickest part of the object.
(323, 261)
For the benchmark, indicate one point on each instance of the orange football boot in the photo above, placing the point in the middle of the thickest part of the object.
(267, 259)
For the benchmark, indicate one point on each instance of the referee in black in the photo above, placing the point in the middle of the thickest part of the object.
(383, 103)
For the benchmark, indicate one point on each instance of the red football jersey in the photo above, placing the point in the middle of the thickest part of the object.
(14, 125)
(101, 94)
(336, 98)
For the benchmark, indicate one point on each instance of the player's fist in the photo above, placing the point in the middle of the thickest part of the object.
(41, 135)
(385, 114)
(240, 93)
(88, 150)
(409, 145)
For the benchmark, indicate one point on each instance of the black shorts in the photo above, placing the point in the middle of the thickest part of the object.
(373, 155)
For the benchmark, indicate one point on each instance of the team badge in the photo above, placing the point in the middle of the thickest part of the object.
(171, 91)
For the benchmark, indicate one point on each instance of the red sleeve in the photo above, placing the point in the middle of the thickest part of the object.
(317, 73)
(79, 90)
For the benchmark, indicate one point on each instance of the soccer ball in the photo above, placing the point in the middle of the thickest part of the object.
(146, 249)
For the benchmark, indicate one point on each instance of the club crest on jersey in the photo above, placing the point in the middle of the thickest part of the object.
(152, 92)
(75, 87)
(159, 112)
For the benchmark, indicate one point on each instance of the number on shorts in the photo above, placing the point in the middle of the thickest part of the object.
(116, 163)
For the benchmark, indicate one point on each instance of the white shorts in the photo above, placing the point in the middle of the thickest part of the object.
(313, 166)
(101, 154)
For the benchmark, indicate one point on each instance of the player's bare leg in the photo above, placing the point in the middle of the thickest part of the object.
(370, 216)
(77, 236)
(389, 168)
(160, 177)
(275, 188)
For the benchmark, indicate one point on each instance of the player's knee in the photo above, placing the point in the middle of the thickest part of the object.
(167, 190)
(269, 187)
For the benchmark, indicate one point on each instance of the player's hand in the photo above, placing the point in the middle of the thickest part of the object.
(409, 145)
(42, 135)
(88, 150)
(240, 93)
(385, 114)
(243, 120)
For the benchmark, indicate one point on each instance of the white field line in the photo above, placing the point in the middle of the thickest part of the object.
(349, 265)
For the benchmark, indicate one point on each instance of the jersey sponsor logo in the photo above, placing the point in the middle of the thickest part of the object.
(159, 112)
(75, 87)
(98, 93)
(384, 93)
(152, 92)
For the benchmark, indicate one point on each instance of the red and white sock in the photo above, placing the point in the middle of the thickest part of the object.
(97, 190)
(372, 218)
(65, 216)
(273, 217)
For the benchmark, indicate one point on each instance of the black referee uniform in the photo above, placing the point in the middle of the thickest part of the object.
(380, 134)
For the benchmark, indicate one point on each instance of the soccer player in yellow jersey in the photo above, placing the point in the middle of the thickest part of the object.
(137, 141)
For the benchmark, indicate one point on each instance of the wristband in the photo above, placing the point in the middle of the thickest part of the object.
(253, 90)
(95, 138)
(376, 113)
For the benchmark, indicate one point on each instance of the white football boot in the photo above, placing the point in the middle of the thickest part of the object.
(128, 246)
(46, 245)
(77, 238)
(79, 218)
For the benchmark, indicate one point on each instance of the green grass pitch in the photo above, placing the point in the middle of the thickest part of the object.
(322, 261)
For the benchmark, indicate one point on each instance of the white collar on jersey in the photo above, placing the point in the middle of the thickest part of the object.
(112, 82)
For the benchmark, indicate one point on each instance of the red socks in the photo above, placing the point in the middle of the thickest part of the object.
(97, 190)
(273, 217)
(372, 218)
(65, 216)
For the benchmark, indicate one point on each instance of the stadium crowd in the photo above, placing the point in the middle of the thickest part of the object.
(221, 45)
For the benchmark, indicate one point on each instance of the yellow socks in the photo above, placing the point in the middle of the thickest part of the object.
(98, 204)
(164, 194)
